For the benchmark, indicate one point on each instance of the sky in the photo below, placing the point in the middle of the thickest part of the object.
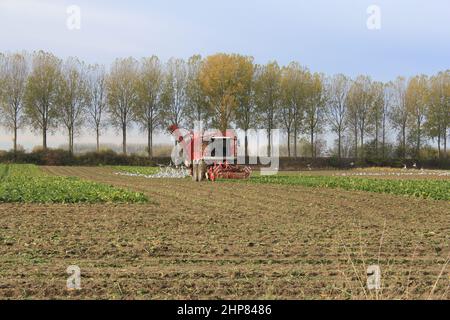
(329, 36)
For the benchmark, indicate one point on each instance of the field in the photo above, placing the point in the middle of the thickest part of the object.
(280, 237)
(28, 184)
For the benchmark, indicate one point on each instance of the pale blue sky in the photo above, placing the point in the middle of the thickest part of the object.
(328, 36)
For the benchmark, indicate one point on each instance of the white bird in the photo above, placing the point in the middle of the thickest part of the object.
(404, 166)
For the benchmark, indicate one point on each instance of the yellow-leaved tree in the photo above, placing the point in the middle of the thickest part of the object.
(224, 79)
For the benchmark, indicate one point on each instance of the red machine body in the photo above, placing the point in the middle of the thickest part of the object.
(210, 155)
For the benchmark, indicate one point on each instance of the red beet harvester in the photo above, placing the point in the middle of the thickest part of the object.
(207, 163)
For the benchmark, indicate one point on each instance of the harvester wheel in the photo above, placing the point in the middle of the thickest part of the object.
(201, 171)
(195, 172)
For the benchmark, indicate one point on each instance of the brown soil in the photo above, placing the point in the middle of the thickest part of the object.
(225, 240)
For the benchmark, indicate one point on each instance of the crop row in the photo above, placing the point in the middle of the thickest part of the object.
(28, 184)
(429, 189)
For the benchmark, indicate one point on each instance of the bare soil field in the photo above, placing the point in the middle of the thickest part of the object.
(225, 240)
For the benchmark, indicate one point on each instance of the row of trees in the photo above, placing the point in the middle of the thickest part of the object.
(44, 93)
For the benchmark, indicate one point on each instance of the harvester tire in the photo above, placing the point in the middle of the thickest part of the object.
(201, 171)
(195, 172)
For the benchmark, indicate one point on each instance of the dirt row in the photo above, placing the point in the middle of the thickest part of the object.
(225, 240)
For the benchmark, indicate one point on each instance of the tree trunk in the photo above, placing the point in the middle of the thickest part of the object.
(44, 138)
(71, 135)
(339, 143)
(376, 138)
(362, 146)
(445, 143)
(289, 142)
(418, 138)
(312, 144)
(295, 142)
(362, 151)
(70, 142)
(383, 151)
(124, 139)
(246, 145)
(15, 138)
(404, 142)
(150, 141)
(97, 133)
(269, 144)
(439, 144)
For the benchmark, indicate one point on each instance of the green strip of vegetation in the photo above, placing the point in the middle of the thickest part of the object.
(28, 184)
(428, 189)
(4, 171)
(24, 170)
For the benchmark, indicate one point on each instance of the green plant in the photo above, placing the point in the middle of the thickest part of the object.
(28, 184)
(432, 189)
